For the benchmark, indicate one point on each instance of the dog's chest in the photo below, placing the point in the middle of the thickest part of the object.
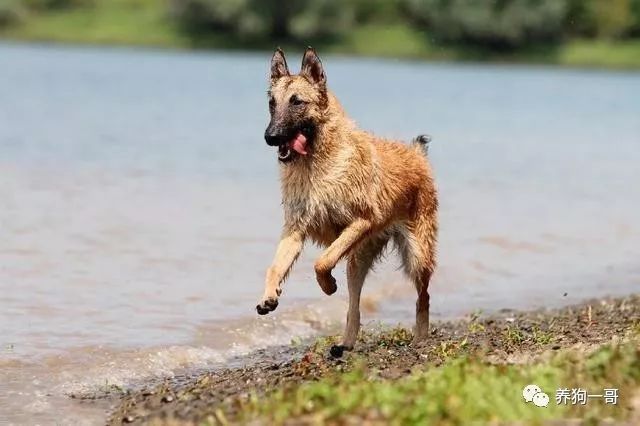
(317, 206)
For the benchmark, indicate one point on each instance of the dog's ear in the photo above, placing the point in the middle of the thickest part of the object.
(279, 66)
(312, 67)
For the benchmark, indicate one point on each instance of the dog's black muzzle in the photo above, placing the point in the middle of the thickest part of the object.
(274, 138)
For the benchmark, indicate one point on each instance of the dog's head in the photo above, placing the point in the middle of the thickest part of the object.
(296, 105)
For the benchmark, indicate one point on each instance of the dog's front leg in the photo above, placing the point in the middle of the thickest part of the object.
(287, 252)
(351, 235)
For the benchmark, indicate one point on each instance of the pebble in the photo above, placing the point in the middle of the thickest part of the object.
(167, 398)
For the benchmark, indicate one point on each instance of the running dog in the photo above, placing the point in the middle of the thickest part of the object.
(347, 191)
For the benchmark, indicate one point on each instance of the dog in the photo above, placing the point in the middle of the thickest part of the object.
(347, 191)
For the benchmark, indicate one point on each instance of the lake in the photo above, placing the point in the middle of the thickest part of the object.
(140, 207)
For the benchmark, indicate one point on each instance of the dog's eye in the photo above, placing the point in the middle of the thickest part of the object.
(295, 100)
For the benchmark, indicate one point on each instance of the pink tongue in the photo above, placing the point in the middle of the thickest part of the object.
(299, 144)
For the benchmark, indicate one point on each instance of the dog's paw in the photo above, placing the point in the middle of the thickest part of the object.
(327, 283)
(267, 306)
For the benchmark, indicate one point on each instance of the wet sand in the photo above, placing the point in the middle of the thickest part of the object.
(504, 338)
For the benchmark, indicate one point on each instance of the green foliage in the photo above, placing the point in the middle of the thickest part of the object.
(201, 15)
(635, 18)
(612, 18)
(43, 5)
(124, 22)
(371, 27)
(603, 18)
(579, 20)
(280, 19)
(491, 23)
(11, 13)
(378, 11)
(313, 19)
(15, 11)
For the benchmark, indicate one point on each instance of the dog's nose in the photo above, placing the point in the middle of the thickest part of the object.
(272, 137)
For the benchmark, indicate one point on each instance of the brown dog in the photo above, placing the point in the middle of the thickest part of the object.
(348, 191)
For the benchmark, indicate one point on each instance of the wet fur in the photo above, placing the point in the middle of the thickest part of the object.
(352, 194)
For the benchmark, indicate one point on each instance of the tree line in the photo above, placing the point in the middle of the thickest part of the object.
(494, 24)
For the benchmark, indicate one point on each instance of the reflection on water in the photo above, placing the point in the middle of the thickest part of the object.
(140, 207)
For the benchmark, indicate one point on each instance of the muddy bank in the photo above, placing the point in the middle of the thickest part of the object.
(504, 338)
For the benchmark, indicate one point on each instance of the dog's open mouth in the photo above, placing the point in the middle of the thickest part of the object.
(284, 153)
(296, 146)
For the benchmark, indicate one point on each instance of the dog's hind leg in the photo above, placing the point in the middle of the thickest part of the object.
(416, 242)
(358, 265)
(422, 306)
(287, 252)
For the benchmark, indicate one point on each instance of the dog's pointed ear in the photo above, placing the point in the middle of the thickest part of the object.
(279, 66)
(312, 67)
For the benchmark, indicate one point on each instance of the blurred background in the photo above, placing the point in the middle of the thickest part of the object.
(140, 205)
(573, 32)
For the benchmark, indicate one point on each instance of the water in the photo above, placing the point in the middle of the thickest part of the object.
(140, 207)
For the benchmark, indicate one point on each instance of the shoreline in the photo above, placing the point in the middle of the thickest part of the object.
(291, 377)
(435, 62)
(452, 55)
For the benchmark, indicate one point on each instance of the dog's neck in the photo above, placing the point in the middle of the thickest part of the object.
(333, 129)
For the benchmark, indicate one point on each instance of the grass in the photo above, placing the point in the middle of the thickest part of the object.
(620, 54)
(460, 384)
(463, 390)
(144, 23)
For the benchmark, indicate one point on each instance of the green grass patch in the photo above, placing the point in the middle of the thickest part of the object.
(618, 54)
(123, 22)
(463, 390)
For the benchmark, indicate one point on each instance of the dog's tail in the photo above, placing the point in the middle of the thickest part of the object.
(422, 141)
